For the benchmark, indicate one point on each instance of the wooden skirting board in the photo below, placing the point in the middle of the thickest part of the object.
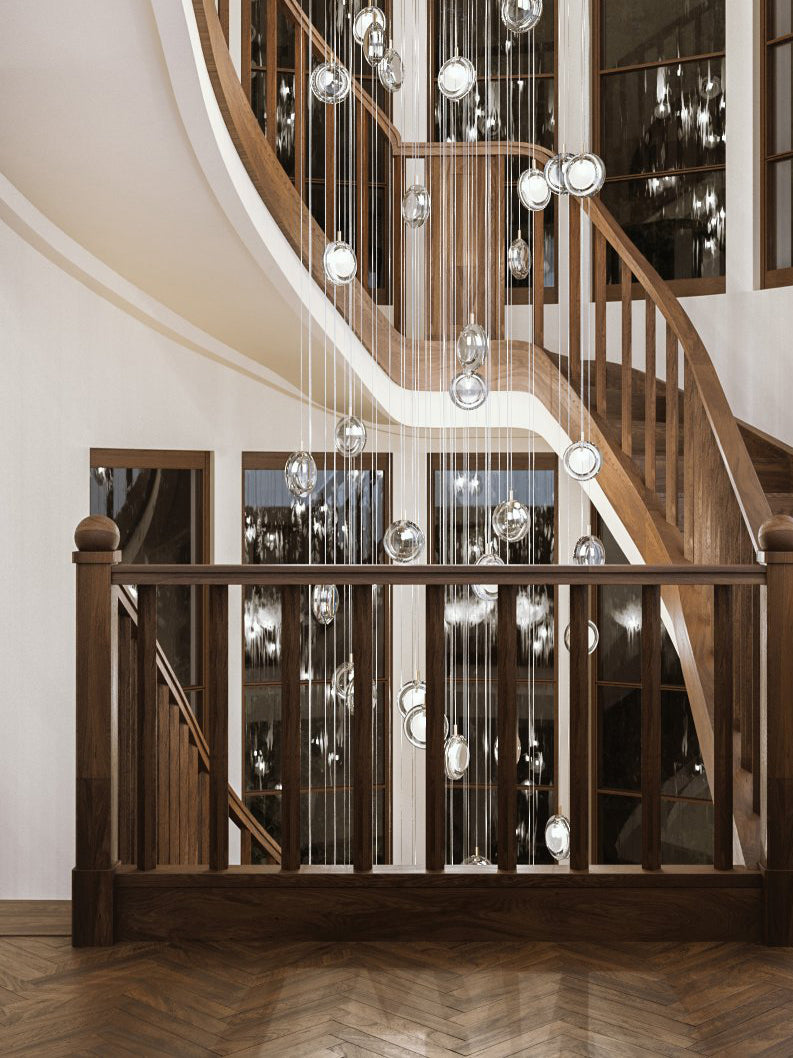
(677, 904)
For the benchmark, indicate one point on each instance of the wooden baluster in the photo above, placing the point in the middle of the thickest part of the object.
(147, 727)
(127, 739)
(330, 167)
(435, 775)
(184, 793)
(507, 727)
(223, 16)
(218, 727)
(626, 279)
(96, 792)
(203, 817)
(649, 393)
(173, 782)
(362, 728)
(271, 70)
(290, 728)
(601, 403)
(691, 462)
(192, 804)
(361, 207)
(651, 727)
(538, 277)
(301, 117)
(672, 414)
(246, 848)
(743, 674)
(397, 267)
(579, 727)
(723, 616)
(574, 296)
(163, 775)
(756, 697)
(245, 49)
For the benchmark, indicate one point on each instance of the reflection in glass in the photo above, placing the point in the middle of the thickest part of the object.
(644, 31)
(780, 210)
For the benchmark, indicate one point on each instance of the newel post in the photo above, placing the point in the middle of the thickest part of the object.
(776, 539)
(97, 540)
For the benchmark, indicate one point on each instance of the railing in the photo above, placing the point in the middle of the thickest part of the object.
(100, 575)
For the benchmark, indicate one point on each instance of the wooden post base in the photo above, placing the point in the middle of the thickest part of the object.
(92, 908)
(778, 907)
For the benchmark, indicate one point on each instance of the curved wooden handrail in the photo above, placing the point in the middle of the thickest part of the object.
(239, 814)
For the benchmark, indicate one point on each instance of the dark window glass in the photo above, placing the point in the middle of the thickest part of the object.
(647, 31)
(780, 18)
(780, 207)
(258, 33)
(285, 122)
(285, 52)
(780, 125)
(259, 98)
(620, 829)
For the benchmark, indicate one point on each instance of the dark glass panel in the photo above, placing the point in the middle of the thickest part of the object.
(477, 31)
(267, 809)
(378, 260)
(780, 98)
(780, 18)
(533, 814)
(315, 193)
(619, 738)
(646, 31)
(619, 829)
(677, 222)
(686, 832)
(315, 140)
(669, 117)
(326, 827)
(378, 153)
(259, 98)
(619, 621)
(263, 741)
(258, 32)
(780, 212)
(285, 122)
(682, 768)
(285, 52)
(497, 110)
(536, 733)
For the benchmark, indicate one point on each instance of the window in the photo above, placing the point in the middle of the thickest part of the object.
(160, 501)
(465, 491)
(660, 126)
(686, 803)
(777, 177)
(343, 523)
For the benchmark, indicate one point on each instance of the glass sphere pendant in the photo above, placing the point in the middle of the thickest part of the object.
(533, 190)
(457, 755)
(488, 592)
(456, 78)
(593, 637)
(343, 680)
(468, 391)
(585, 175)
(554, 172)
(557, 837)
(518, 259)
(330, 82)
(476, 859)
(416, 206)
(521, 15)
(324, 602)
(366, 17)
(511, 520)
(411, 694)
(415, 726)
(300, 474)
(517, 752)
(472, 346)
(403, 541)
(340, 262)
(589, 551)
(391, 70)
(350, 436)
(374, 44)
(582, 460)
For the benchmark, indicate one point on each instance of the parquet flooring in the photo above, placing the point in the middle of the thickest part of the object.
(390, 1000)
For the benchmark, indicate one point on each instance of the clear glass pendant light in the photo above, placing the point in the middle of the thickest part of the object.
(416, 206)
(589, 551)
(350, 436)
(403, 541)
(300, 474)
(340, 262)
(324, 602)
(476, 859)
(457, 755)
(520, 16)
(391, 70)
(511, 520)
(554, 172)
(366, 17)
(468, 391)
(472, 346)
(343, 680)
(593, 637)
(557, 837)
(488, 592)
(330, 82)
(518, 258)
(411, 694)
(415, 726)
(533, 189)
(456, 78)
(585, 175)
(582, 460)
(374, 46)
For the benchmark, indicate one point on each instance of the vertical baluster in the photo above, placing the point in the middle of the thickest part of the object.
(672, 414)
(245, 48)
(290, 728)
(361, 207)
(649, 393)
(192, 804)
(223, 15)
(173, 782)
(756, 692)
(538, 277)
(127, 739)
(301, 118)
(691, 461)
(579, 727)
(203, 810)
(163, 775)
(651, 727)
(218, 723)
(601, 403)
(147, 727)
(435, 771)
(743, 672)
(271, 72)
(574, 265)
(362, 728)
(330, 167)
(507, 727)
(397, 267)
(722, 725)
(626, 279)
(184, 793)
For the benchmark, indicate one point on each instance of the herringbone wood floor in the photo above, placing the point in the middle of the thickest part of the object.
(392, 1000)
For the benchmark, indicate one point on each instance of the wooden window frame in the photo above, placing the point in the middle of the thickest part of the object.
(681, 288)
(769, 277)
(380, 461)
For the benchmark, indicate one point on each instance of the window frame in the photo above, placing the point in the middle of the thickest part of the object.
(770, 278)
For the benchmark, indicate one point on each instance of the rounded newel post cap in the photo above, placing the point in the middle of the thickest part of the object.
(97, 533)
(777, 533)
